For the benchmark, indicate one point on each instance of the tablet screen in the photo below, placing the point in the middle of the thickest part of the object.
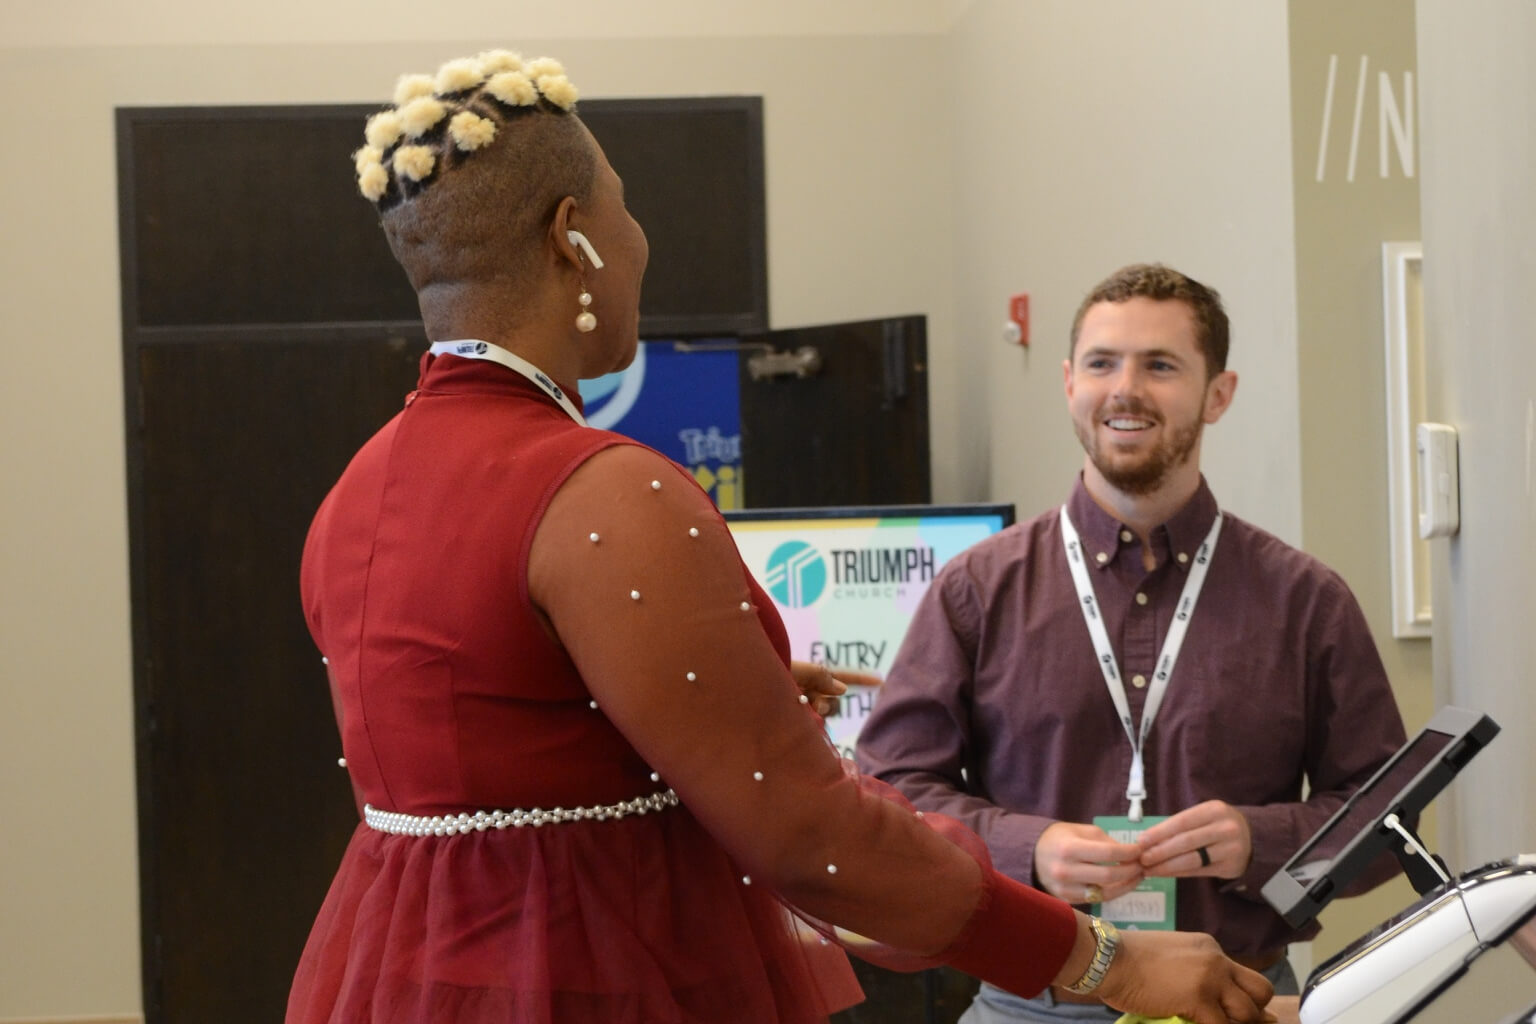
(1368, 804)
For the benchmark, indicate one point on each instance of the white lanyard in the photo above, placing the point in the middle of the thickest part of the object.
(1136, 785)
(471, 348)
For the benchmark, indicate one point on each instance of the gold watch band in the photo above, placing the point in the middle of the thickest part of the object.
(1103, 955)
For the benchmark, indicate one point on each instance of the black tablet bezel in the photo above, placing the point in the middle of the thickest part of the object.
(1299, 902)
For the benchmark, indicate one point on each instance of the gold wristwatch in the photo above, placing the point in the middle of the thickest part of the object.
(1103, 955)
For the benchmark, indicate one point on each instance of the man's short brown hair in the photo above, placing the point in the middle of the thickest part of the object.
(1164, 284)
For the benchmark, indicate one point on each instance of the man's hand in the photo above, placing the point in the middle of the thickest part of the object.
(1210, 840)
(822, 685)
(1161, 974)
(1082, 864)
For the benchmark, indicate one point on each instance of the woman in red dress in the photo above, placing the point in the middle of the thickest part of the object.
(590, 783)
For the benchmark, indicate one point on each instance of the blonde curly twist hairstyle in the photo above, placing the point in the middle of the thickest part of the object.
(437, 120)
(468, 165)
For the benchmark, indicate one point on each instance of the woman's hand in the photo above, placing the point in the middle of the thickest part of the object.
(823, 686)
(1185, 974)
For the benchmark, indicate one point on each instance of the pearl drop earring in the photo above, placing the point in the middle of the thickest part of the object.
(586, 321)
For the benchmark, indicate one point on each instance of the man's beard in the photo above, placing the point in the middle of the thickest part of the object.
(1147, 473)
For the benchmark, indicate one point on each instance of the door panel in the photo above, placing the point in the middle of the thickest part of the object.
(244, 811)
(855, 433)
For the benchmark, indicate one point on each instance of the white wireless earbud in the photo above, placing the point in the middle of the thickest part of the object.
(579, 239)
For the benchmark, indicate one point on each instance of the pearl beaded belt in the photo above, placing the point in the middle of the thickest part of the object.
(452, 824)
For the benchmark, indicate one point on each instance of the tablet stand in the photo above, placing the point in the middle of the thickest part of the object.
(1425, 870)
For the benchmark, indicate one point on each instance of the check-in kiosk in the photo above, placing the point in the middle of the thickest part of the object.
(1467, 944)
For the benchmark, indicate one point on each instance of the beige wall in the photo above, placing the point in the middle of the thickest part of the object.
(302, 22)
(1104, 133)
(1341, 222)
(870, 240)
(1479, 262)
(923, 156)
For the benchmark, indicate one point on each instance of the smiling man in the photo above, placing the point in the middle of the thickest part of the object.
(1126, 697)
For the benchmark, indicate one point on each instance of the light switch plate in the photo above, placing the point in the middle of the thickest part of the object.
(1439, 480)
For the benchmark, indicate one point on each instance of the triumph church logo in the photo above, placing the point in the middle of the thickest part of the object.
(797, 574)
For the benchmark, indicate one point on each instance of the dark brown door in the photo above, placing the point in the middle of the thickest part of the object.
(249, 271)
(244, 811)
(855, 432)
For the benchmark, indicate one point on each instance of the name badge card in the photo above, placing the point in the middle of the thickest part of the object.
(1148, 907)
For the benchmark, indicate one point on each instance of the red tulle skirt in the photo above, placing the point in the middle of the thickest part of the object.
(636, 921)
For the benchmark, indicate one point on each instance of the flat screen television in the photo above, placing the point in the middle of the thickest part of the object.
(846, 580)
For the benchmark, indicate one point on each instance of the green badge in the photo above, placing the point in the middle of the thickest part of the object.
(1150, 906)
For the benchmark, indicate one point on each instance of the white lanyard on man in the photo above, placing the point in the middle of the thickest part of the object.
(1136, 785)
(473, 348)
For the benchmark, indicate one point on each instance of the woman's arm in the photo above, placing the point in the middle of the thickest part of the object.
(658, 615)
